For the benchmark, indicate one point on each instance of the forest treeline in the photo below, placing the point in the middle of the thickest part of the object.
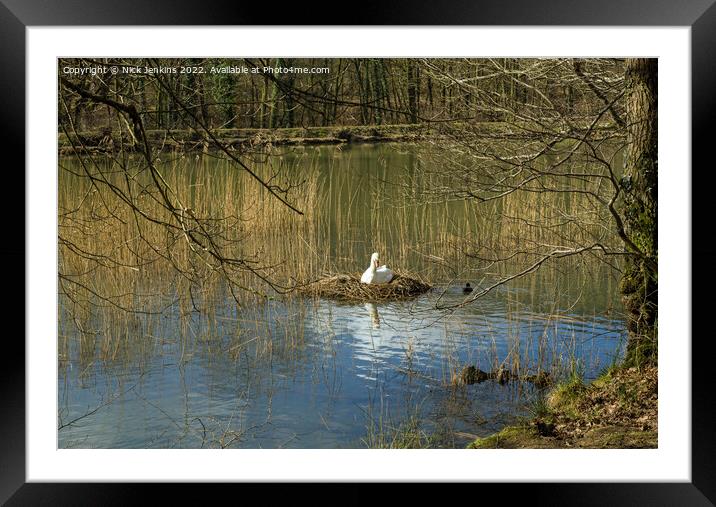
(342, 92)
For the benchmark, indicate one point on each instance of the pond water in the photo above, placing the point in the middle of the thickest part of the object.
(295, 372)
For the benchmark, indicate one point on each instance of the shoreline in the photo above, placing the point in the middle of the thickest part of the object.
(618, 410)
(105, 140)
(191, 140)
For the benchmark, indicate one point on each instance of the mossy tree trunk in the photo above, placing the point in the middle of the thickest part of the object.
(639, 184)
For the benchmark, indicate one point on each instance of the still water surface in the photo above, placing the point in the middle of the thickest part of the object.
(307, 373)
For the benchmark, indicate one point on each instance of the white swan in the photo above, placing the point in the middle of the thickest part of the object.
(375, 274)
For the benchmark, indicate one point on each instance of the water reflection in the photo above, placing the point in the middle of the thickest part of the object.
(357, 363)
(374, 316)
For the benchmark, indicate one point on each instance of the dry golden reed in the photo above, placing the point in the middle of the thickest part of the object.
(348, 287)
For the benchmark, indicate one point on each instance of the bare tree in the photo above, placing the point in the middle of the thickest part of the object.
(127, 189)
(559, 128)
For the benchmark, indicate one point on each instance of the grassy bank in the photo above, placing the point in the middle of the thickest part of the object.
(617, 410)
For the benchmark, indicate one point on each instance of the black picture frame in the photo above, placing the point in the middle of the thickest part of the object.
(700, 15)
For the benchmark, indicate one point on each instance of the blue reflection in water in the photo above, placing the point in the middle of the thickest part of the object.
(319, 374)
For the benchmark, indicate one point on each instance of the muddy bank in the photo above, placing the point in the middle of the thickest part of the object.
(189, 140)
(473, 375)
(618, 410)
(238, 139)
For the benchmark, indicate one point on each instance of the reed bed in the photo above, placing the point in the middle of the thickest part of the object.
(121, 276)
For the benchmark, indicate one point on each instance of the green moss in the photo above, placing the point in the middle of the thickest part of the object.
(605, 377)
(618, 437)
(608, 437)
(564, 397)
(514, 437)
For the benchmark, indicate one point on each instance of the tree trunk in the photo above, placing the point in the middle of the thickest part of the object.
(639, 284)
(413, 91)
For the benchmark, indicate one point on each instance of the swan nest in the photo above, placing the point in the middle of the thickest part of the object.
(349, 288)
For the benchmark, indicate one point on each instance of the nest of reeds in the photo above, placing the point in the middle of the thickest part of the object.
(348, 287)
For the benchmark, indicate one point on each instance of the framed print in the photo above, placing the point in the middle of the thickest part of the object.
(210, 198)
